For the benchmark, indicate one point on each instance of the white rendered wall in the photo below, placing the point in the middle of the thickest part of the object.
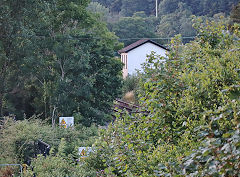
(138, 56)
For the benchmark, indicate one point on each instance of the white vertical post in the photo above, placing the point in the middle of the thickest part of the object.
(156, 8)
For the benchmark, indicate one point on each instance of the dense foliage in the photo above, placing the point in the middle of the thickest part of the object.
(235, 14)
(190, 120)
(18, 137)
(174, 17)
(56, 59)
(198, 7)
(18, 145)
(129, 29)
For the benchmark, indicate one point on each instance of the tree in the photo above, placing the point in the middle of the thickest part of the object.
(167, 7)
(73, 54)
(129, 7)
(137, 26)
(104, 12)
(13, 15)
(235, 14)
(83, 69)
(177, 22)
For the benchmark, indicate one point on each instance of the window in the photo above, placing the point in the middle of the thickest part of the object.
(126, 61)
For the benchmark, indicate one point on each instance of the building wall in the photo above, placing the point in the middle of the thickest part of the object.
(138, 56)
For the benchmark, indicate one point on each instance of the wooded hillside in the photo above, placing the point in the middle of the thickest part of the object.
(136, 18)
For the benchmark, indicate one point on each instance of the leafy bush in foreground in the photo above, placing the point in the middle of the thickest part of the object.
(18, 137)
(190, 122)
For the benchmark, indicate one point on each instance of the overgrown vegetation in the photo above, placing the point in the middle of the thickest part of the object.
(131, 19)
(57, 59)
(18, 137)
(190, 124)
(18, 146)
(130, 87)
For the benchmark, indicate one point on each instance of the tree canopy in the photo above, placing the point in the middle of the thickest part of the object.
(57, 59)
(138, 26)
(174, 16)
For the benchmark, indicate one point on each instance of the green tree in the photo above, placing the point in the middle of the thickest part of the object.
(177, 22)
(106, 3)
(137, 26)
(235, 14)
(167, 6)
(11, 28)
(129, 7)
(114, 6)
(104, 12)
(73, 58)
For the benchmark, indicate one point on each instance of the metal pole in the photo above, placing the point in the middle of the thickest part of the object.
(156, 8)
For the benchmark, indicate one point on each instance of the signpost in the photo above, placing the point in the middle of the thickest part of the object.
(66, 122)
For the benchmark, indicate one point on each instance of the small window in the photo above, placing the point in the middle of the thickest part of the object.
(126, 61)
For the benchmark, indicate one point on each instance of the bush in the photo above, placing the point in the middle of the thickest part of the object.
(18, 137)
(190, 120)
(130, 87)
(60, 164)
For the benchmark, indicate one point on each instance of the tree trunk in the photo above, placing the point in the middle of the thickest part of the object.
(53, 116)
(1, 105)
(2, 91)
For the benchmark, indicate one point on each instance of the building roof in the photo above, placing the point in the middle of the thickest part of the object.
(137, 44)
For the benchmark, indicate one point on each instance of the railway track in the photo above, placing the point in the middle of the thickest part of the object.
(120, 106)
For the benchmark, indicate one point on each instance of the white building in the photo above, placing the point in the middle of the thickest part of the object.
(135, 54)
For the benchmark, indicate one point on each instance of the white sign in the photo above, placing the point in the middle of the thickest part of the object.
(84, 151)
(66, 122)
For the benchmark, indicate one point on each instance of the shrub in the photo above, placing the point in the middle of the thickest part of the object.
(190, 120)
(18, 137)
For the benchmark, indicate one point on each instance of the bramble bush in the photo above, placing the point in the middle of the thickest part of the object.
(17, 146)
(189, 125)
(60, 164)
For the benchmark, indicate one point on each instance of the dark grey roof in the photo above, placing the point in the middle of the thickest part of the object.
(137, 44)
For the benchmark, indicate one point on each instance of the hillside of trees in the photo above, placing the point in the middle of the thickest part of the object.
(197, 7)
(136, 18)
